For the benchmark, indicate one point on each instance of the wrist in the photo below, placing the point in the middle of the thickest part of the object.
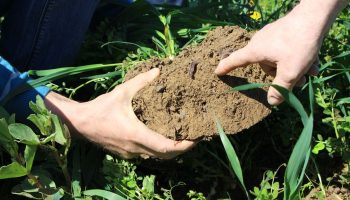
(321, 14)
(69, 111)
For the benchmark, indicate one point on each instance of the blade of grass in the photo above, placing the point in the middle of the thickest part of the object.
(232, 156)
(288, 96)
(52, 75)
(311, 95)
(106, 75)
(299, 158)
(297, 162)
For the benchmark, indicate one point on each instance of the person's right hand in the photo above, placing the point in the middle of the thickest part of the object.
(285, 49)
(109, 120)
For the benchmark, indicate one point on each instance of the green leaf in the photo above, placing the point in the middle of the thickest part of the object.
(344, 54)
(256, 191)
(311, 95)
(39, 106)
(24, 134)
(5, 135)
(106, 75)
(162, 18)
(342, 101)
(104, 194)
(161, 35)
(275, 188)
(42, 121)
(232, 156)
(293, 101)
(29, 154)
(60, 131)
(301, 152)
(288, 96)
(6, 139)
(324, 79)
(148, 184)
(12, 170)
(298, 161)
(318, 147)
(250, 86)
(52, 75)
(27, 189)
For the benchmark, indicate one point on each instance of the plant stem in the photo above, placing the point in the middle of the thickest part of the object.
(62, 162)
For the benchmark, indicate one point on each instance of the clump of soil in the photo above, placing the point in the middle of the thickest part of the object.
(184, 101)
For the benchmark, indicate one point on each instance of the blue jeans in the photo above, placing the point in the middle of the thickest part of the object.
(42, 34)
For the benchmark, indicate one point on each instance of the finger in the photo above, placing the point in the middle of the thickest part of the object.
(159, 146)
(239, 58)
(285, 79)
(132, 86)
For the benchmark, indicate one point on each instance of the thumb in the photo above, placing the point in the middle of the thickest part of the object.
(284, 79)
(132, 86)
(239, 58)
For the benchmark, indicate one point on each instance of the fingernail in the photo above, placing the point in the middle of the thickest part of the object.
(155, 71)
(274, 101)
(217, 70)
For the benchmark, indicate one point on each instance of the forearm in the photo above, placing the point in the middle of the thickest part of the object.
(320, 13)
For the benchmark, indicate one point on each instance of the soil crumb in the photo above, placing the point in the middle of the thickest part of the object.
(184, 101)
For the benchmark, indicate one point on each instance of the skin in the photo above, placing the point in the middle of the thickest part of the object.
(287, 48)
(109, 121)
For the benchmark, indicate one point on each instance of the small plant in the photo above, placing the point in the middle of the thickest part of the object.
(193, 195)
(123, 180)
(53, 138)
(167, 45)
(269, 189)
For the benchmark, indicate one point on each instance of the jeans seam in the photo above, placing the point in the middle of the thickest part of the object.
(39, 31)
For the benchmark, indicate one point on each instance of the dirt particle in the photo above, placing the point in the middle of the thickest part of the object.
(172, 108)
(160, 88)
(193, 69)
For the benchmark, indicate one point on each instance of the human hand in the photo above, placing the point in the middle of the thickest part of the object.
(287, 48)
(109, 120)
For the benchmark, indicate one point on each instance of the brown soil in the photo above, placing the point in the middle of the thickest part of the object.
(332, 193)
(183, 102)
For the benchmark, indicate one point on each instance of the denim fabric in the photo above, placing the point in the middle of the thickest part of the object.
(42, 34)
(38, 34)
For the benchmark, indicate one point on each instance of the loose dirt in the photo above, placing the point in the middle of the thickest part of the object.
(184, 101)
